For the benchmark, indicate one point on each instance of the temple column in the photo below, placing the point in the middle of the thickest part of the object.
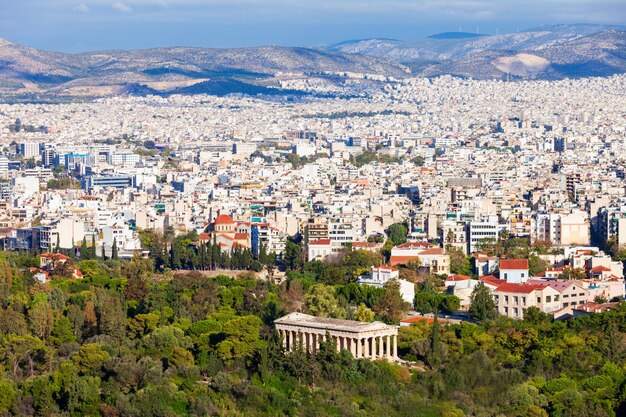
(283, 336)
(388, 346)
(357, 348)
(395, 346)
(379, 348)
(338, 343)
(376, 346)
(290, 341)
(353, 347)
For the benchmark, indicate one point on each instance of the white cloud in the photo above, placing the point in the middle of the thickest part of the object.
(122, 7)
(82, 8)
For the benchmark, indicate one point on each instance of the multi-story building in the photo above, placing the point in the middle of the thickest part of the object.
(29, 149)
(513, 299)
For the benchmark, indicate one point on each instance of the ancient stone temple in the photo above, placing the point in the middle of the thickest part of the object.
(364, 340)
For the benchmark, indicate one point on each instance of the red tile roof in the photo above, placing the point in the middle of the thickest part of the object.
(515, 264)
(58, 256)
(600, 268)
(241, 236)
(519, 288)
(432, 251)
(491, 280)
(457, 277)
(387, 268)
(320, 242)
(224, 219)
(402, 260)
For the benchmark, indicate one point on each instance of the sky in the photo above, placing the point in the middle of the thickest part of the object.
(87, 25)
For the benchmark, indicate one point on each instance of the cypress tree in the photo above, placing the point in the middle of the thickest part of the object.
(114, 254)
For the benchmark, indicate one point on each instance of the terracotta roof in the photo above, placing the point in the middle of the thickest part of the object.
(491, 280)
(224, 219)
(388, 268)
(515, 264)
(457, 277)
(402, 260)
(592, 307)
(58, 256)
(204, 236)
(320, 242)
(519, 288)
(241, 236)
(432, 251)
(557, 285)
(600, 268)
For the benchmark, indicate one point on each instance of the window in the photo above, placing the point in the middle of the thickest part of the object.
(582, 294)
(515, 311)
(565, 304)
(573, 303)
(506, 298)
(524, 300)
(556, 298)
(522, 275)
(515, 300)
(496, 298)
(548, 298)
(565, 295)
(538, 300)
(505, 275)
(506, 310)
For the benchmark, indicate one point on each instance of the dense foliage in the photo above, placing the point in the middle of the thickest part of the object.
(127, 340)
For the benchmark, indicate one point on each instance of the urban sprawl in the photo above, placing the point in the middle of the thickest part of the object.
(516, 187)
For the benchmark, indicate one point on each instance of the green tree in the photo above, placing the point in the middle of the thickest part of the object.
(114, 252)
(459, 263)
(482, 305)
(390, 306)
(8, 394)
(364, 314)
(292, 257)
(574, 274)
(321, 301)
(397, 233)
(90, 357)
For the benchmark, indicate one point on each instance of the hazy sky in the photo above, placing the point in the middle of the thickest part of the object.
(80, 25)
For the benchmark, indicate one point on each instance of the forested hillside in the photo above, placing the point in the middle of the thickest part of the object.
(129, 340)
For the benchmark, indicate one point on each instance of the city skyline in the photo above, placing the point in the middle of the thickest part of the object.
(76, 26)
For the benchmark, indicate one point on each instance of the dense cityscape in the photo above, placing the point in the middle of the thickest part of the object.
(370, 228)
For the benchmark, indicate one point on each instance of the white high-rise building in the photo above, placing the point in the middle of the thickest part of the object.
(29, 149)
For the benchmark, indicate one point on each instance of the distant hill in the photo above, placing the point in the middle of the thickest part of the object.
(22, 66)
(548, 52)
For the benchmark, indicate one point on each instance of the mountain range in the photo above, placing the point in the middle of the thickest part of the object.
(549, 52)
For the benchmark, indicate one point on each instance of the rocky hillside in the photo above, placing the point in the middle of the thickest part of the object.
(22, 66)
(546, 52)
